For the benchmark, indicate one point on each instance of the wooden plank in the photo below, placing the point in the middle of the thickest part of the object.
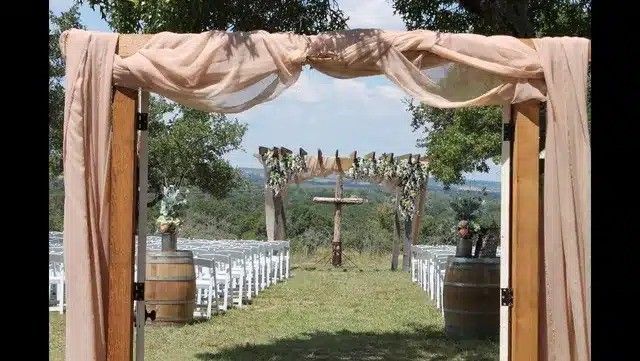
(505, 238)
(525, 242)
(334, 200)
(121, 226)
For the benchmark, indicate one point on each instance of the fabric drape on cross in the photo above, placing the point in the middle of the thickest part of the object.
(230, 72)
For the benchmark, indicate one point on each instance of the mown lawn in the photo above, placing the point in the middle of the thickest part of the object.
(318, 314)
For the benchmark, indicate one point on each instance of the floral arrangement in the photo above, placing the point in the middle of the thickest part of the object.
(170, 206)
(409, 176)
(282, 169)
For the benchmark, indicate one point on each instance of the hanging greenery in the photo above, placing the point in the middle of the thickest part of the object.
(282, 169)
(408, 176)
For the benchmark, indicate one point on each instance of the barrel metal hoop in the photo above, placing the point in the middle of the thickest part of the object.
(477, 285)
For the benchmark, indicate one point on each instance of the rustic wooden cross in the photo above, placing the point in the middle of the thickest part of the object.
(338, 201)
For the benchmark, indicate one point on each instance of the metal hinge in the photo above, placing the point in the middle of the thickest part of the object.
(506, 297)
(507, 132)
(138, 291)
(142, 120)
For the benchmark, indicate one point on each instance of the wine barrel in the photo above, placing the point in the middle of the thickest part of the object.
(170, 286)
(471, 298)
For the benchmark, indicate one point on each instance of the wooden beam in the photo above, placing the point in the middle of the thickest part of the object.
(262, 150)
(525, 241)
(351, 200)
(121, 226)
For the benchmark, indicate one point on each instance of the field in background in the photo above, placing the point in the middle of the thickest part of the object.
(321, 313)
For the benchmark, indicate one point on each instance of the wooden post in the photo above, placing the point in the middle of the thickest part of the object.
(141, 220)
(505, 234)
(121, 226)
(275, 219)
(274, 213)
(336, 243)
(525, 241)
(406, 248)
(280, 225)
(397, 238)
(417, 217)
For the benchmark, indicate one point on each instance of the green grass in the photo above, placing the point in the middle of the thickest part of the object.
(319, 314)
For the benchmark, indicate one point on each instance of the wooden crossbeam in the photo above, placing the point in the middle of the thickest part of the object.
(334, 200)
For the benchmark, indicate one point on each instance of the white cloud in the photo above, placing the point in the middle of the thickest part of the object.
(304, 90)
(377, 14)
(391, 92)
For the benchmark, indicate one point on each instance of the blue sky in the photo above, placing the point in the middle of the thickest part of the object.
(364, 114)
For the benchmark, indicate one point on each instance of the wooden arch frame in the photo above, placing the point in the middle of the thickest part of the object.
(275, 214)
(522, 234)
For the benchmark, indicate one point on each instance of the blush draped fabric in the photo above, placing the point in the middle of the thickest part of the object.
(227, 72)
(86, 151)
(567, 203)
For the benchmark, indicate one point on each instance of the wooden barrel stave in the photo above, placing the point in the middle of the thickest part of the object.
(471, 298)
(170, 286)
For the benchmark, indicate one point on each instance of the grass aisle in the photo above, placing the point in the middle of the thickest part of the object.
(316, 315)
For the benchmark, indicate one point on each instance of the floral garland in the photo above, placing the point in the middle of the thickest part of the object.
(282, 169)
(408, 176)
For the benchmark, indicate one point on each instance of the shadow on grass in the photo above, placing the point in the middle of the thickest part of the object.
(421, 343)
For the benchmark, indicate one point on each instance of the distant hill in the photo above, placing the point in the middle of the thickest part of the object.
(256, 175)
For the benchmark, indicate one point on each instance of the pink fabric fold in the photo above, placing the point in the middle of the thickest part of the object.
(567, 203)
(86, 154)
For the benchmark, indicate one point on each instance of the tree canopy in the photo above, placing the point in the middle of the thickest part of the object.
(192, 16)
(58, 24)
(458, 141)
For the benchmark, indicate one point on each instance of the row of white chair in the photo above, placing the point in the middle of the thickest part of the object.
(232, 272)
(428, 268)
(228, 272)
